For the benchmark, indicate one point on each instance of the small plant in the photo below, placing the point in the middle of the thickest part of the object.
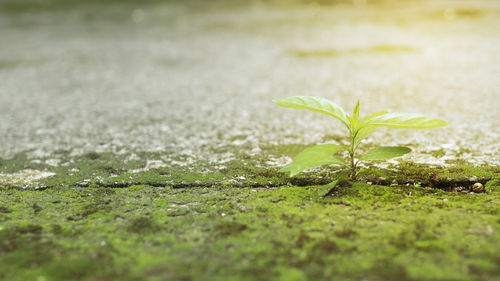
(359, 129)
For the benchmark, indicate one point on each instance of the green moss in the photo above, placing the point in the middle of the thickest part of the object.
(457, 13)
(142, 225)
(493, 185)
(246, 220)
(463, 151)
(463, 174)
(469, 12)
(8, 64)
(438, 153)
(314, 53)
(92, 155)
(33, 6)
(386, 48)
(376, 49)
(137, 187)
(285, 149)
(155, 233)
(230, 228)
(97, 170)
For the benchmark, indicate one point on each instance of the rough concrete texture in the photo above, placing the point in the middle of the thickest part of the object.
(190, 78)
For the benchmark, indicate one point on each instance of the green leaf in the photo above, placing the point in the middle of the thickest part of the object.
(362, 134)
(401, 120)
(315, 104)
(351, 121)
(313, 157)
(378, 113)
(355, 117)
(355, 113)
(385, 152)
(326, 189)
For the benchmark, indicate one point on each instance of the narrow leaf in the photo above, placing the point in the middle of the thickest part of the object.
(378, 113)
(313, 157)
(362, 134)
(399, 120)
(328, 188)
(355, 117)
(351, 120)
(385, 152)
(355, 113)
(315, 104)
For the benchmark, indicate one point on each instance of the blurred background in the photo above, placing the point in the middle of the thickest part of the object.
(194, 77)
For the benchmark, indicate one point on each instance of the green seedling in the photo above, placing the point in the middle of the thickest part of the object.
(359, 129)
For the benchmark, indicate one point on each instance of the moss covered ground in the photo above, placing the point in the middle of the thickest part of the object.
(193, 81)
(96, 220)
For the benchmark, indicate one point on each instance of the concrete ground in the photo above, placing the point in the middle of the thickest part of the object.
(138, 140)
(188, 78)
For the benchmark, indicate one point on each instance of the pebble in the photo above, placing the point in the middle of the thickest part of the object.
(478, 187)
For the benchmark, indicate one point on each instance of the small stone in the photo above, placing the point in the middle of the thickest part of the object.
(478, 187)
(445, 199)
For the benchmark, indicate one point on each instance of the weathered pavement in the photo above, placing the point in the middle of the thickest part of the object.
(189, 80)
(139, 141)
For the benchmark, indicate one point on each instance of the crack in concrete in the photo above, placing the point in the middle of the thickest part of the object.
(446, 185)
